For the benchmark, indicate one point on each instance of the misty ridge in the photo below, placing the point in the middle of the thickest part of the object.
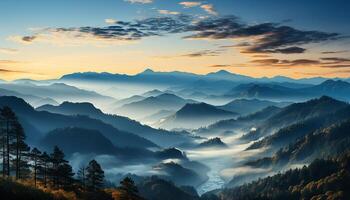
(175, 135)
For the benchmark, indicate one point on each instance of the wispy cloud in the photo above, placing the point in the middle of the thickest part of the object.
(139, 1)
(6, 65)
(286, 63)
(220, 66)
(209, 8)
(111, 21)
(334, 52)
(329, 62)
(10, 71)
(336, 72)
(168, 12)
(8, 62)
(122, 32)
(8, 50)
(203, 53)
(335, 59)
(190, 4)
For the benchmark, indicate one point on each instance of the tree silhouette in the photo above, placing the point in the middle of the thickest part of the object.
(65, 176)
(128, 190)
(94, 175)
(20, 150)
(35, 155)
(82, 176)
(8, 117)
(57, 160)
(44, 167)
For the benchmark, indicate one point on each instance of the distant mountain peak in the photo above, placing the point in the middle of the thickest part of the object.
(80, 104)
(223, 72)
(326, 98)
(213, 142)
(200, 108)
(331, 82)
(148, 71)
(167, 95)
(85, 108)
(17, 104)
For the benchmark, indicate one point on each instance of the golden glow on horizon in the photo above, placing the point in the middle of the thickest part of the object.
(47, 61)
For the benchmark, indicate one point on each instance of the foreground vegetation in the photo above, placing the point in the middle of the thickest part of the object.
(322, 179)
(31, 174)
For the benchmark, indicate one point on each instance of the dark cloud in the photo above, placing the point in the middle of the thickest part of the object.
(9, 71)
(325, 73)
(242, 44)
(204, 53)
(266, 61)
(289, 50)
(28, 38)
(286, 63)
(334, 52)
(272, 37)
(263, 38)
(328, 62)
(299, 62)
(336, 59)
(336, 66)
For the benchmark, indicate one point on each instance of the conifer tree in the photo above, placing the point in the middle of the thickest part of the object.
(44, 167)
(128, 190)
(35, 157)
(81, 175)
(61, 172)
(19, 149)
(8, 118)
(66, 175)
(94, 175)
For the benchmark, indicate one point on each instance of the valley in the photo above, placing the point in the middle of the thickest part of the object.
(192, 142)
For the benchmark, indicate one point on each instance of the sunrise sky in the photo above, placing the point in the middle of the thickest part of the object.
(44, 39)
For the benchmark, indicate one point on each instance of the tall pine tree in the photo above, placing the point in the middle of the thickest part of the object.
(8, 119)
(61, 172)
(44, 168)
(35, 157)
(94, 176)
(20, 151)
(81, 175)
(128, 190)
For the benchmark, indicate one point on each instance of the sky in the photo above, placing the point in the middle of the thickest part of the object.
(41, 39)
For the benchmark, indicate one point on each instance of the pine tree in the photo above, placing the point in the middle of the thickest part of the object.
(24, 170)
(8, 118)
(81, 175)
(61, 172)
(35, 157)
(65, 176)
(128, 190)
(44, 167)
(57, 159)
(94, 175)
(19, 149)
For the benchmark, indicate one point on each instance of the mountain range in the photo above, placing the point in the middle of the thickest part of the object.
(196, 115)
(39, 123)
(152, 105)
(160, 137)
(151, 77)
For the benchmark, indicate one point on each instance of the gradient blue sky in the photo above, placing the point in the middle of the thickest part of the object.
(44, 58)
